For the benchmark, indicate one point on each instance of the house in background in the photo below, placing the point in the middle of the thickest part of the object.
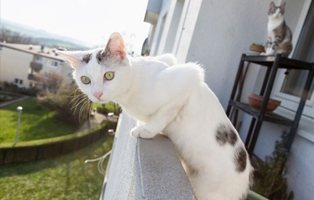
(216, 34)
(19, 63)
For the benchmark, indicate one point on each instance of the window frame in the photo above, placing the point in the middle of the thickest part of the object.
(291, 102)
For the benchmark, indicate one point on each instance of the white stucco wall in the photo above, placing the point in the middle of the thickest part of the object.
(173, 27)
(160, 27)
(186, 28)
(223, 32)
(14, 64)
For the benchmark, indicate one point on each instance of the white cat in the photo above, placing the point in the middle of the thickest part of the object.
(172, 99)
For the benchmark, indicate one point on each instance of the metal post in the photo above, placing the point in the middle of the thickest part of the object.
(19, 109)
(235, 85)
(268, 88)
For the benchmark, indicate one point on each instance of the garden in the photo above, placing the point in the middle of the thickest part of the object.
(36, 123)
(63, 177)
(7, 96)
(54, 111)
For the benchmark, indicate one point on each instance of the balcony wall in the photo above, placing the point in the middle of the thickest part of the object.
(144, 169)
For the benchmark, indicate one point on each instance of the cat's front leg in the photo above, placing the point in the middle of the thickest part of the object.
(157, 122)
(269, 52)
(268, 47)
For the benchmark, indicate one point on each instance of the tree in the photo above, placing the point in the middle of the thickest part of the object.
(49, 82)
(14, 37)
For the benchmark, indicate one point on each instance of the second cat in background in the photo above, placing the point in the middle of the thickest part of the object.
(279, 34)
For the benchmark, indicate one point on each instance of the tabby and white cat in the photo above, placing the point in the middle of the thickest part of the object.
(279, 34)
(174, 100)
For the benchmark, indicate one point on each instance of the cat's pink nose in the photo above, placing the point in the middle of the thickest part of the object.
(97, 95)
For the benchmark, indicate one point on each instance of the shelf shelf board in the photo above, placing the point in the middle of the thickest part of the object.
(286, 63)
(269, 117)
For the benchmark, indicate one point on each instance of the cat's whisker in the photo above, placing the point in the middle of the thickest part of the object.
(76, 104)
(77, 97)
(82, 109)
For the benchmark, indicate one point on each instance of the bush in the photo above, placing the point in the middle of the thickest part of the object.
(49, 82)
(109, 107)
(10, 87)
(270, 176)
(71, 105)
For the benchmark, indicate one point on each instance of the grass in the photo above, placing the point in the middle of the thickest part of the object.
(64, 177)
(47, 141)
(35, 123)
(109, 106)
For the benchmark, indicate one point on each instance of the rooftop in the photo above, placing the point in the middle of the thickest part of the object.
(34, 49)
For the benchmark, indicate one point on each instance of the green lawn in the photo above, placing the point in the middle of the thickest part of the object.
(109, 106)
(35, 123)
(64, 177)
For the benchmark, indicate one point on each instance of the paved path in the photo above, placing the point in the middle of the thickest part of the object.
(13, 101)
(94, 121)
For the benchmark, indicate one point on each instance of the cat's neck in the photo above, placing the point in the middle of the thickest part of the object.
(125, 98)
(274, 23)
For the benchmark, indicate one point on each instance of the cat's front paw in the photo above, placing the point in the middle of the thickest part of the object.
(140, 131)
(263, 54)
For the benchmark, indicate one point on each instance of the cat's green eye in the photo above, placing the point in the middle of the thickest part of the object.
(85, 80)
(109, 75)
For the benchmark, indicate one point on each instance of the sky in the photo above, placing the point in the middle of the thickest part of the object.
(91, 21)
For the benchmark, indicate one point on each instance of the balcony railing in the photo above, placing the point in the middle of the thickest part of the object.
(32, 77)
(36, 66)
(144, 169)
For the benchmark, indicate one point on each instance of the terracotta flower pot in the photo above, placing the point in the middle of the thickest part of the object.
(257, 48)
(256, 102)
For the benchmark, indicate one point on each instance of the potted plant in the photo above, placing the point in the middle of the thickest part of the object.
(256, 102)
(257, 48)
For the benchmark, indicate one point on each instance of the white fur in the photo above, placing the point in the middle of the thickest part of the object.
(176, 102)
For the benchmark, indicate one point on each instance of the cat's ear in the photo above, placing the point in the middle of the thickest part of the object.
(283, 5)
(74, 57)
(115, 46)
(272, 5)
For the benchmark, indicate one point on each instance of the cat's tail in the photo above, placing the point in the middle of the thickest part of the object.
(168, 58)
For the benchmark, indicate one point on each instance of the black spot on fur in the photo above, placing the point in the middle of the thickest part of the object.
(226, 134)
(87, 58)
(240, 159)
(103, 54)
(221, 135)
(100, 56)
(232, 139)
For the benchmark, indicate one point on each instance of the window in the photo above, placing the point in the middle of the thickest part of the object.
(290, 85)
(39, 58)
(18, 82)
(55, 63)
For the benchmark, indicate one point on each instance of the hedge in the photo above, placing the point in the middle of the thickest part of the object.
(45, 148)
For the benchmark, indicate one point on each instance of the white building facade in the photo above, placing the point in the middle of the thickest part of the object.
(19, 63)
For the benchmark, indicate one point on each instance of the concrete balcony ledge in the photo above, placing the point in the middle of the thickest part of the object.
(144, 169)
